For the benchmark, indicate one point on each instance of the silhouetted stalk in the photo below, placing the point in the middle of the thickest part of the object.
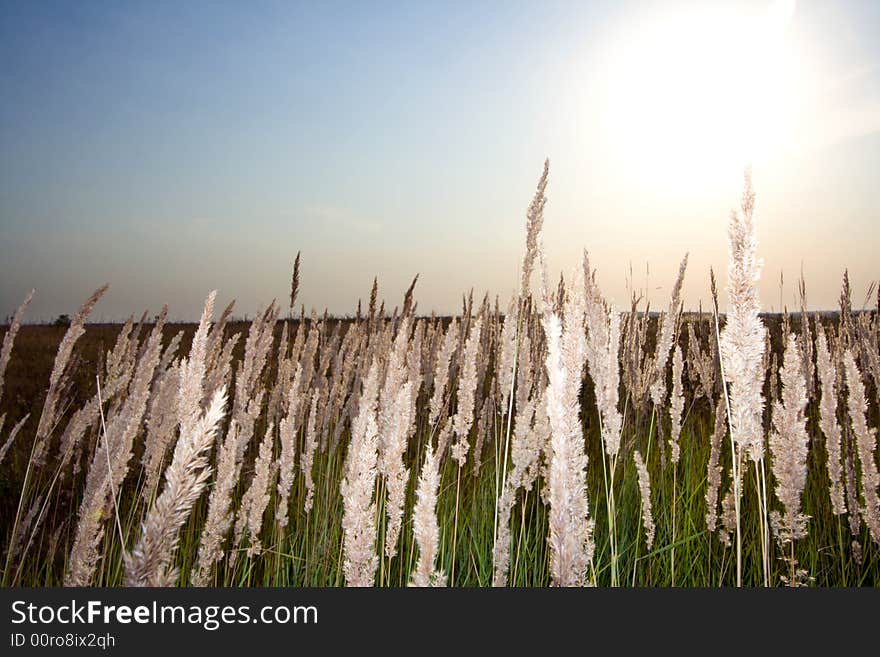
(674, 501)
(499, 488)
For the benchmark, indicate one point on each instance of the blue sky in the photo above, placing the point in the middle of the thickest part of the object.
(173, 148)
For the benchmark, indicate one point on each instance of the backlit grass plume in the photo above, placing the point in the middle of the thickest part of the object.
(357, 487)
(425, 528)
(742, 339)
(149, 563)
(741, 347)
(866, 445)
(789, 443)
(826, 367)
(570, 540)
(9, 338)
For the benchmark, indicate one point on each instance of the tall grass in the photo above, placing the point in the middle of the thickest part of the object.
(559, 442)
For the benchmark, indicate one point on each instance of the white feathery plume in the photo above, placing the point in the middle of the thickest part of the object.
(534, 222)
(645, 493)
(256, 498)
(826, 369)
(713, 474)
(149, 563)
(869, 340)
(866, 443)
(525, 453)
(308, 457)
(504, 372)
(170, 352)
(665, 336)
(9, 338)
(676, 404)
(728, 516)
(426, 531)
(287, 436)
(49, 414)
(484, 426)
(348, 384)
(397, 474)
(441, 371)
(789, 442)
(701, 365)
(394, 422)
(219, 373)
(415, 376)
(162, 422)
(246, 408)
(359, 508)
(467, 388)
(109, 464)
(118, 370)
(12, 434)
(192, 372)
(571, 542)
(601, 351)
(742, 339)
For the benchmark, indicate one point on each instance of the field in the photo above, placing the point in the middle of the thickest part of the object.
(546, 439)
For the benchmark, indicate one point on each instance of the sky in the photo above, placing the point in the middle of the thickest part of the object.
(173, 148)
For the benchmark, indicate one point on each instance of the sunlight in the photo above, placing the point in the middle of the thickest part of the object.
(695, 97)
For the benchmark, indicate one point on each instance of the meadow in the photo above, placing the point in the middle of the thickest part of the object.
(546, 439)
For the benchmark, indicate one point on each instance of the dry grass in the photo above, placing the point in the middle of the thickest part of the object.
(534, 446)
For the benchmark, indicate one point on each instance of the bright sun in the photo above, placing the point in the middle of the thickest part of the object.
(700, 95)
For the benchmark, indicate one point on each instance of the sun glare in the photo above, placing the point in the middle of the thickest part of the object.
(697, 96)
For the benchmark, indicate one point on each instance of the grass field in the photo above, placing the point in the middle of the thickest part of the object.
(317, 456)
